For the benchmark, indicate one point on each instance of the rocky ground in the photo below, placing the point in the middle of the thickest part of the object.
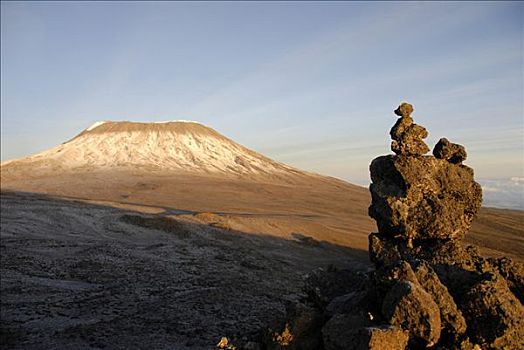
(77, 275)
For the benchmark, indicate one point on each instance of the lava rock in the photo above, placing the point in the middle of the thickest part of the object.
(351, 303)
(451, 317)
(495, 316)
(421, 197)
(342, 331)
(407, 136)
(383, 338)
(404, 110)
(452, 152)
(302, 331)
(323, 285)
(513, 273)
(419, 272)
(411, 308)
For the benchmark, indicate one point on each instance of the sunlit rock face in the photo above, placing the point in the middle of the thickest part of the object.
(418, 197)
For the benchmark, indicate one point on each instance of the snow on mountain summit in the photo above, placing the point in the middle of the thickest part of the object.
(172, 145)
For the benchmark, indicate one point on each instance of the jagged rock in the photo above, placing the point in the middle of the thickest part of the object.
(351, 303)
(370, 338)
(323, 285)
(407, 136)
(404, 110)
(354, 332)
(419, 198)
(385, 251)
(419, 272)
(341, 331)
(451, 317)
(302, 331)
(383, 338)
(411, 308)
(452, 152)
(513, 273)
(495, 316)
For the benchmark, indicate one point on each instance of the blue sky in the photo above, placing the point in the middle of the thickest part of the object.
(311, 84)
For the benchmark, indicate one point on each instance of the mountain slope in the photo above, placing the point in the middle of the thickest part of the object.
(167, 146)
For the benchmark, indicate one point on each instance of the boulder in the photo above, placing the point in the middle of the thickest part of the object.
(452, 152)
(495, 316)
(411, 308)
(513, 273)
(452, 320)
(351, 303)
(300, 332)
(323, 285)
(342, 331)
(382, 338)
(407, 136)
(422, 198)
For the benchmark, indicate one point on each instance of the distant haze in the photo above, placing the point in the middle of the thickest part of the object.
(310, 84)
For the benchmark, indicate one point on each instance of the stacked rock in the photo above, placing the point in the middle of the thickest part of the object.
(408, 136)
(427, 281)
(427, 290)
(417, 197)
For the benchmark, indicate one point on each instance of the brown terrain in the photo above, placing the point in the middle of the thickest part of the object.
(103, 247)
(326, 209)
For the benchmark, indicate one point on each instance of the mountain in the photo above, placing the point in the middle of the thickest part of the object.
(181, 146)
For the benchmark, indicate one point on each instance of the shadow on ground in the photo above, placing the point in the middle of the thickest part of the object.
(78, 275)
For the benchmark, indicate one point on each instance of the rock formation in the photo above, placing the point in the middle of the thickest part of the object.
(427, 289)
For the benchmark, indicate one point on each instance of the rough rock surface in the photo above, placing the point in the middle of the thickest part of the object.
(301, 332)
(408, 136)
(494, 314)
(422, 197)
(346, 332)
(452, 152)
(409, 306)
(428, 290)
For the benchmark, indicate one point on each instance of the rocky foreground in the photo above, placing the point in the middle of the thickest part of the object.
(75, 275)
(428, 290)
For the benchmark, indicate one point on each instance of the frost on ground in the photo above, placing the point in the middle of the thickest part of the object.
(77, 275)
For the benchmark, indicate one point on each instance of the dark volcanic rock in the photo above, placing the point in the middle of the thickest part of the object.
(452, 152)
(301, 332)
(419, 198)
(452, 320)
(407, 136)
(323, 285)
(495, 316)
(419, 272)
(342, 331)
(409, 306)
(383, 338)
(513, 273)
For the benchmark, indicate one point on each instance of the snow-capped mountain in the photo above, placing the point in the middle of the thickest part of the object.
(174, 146)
